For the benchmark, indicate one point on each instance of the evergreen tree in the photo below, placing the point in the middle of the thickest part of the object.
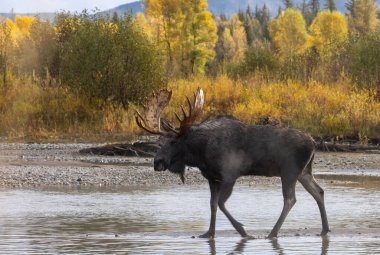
(249, 12)
(315, 8)
(350, 6)
(288, 4)
(279, 10)
(252, 26)
(263, 16)
(330, 5)
(306, 12)
(219, 47)
(304, 7)
(265, 21)
(257, 12)
(223, 16)
(245, 18)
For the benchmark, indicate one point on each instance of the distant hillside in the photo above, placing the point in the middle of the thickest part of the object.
(43, 16)
(216, 6)
(230, 6)
(122, 9)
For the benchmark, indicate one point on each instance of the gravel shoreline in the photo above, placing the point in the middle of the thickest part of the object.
(33, 165)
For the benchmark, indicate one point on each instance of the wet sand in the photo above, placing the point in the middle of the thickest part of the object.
(31, 165)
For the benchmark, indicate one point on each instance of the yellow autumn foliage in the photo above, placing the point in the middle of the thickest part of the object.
(288, 33)
(23, 25)
(185, 31)
(15, 31)
(319, 109)
(329, 31)
(31, 112)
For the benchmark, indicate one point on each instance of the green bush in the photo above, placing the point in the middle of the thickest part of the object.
(261, 59)
(109, 61)
(365, 55)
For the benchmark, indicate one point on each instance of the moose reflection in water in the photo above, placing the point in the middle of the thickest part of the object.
(225, 149)
(241, 246)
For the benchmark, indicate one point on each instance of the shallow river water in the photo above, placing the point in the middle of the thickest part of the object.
(162, 220)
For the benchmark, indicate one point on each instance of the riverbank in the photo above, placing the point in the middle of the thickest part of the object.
(33, 165)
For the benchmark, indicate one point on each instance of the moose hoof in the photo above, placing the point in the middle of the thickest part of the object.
(207, 235)
(272, 236)
(249, 237)
(243, 233)
(325, 232)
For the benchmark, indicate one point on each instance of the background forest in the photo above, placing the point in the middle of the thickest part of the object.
(82, 76)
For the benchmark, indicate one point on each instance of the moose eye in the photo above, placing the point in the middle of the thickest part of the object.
(172, 142)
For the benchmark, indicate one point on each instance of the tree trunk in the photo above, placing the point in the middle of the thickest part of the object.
(5, 73)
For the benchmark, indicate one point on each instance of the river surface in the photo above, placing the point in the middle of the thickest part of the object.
(163, 220)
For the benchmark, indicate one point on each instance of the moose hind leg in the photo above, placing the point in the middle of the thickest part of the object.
(225, 193)
(308, 182)
(288, 191)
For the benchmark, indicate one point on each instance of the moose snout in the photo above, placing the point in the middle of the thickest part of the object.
(159, 165)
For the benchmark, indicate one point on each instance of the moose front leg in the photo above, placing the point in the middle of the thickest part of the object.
(215, 191)
(225, 193)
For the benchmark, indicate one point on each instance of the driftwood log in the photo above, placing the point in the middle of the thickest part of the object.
(137, 149)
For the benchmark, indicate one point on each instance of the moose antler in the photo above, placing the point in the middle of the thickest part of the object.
(151, 121)
(153, 109)
(195, 110)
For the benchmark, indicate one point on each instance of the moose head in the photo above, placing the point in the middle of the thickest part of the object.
(171, 154)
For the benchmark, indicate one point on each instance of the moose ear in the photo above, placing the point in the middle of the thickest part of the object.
(167, 126)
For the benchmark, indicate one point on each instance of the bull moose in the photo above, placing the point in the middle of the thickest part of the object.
(225, 148)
